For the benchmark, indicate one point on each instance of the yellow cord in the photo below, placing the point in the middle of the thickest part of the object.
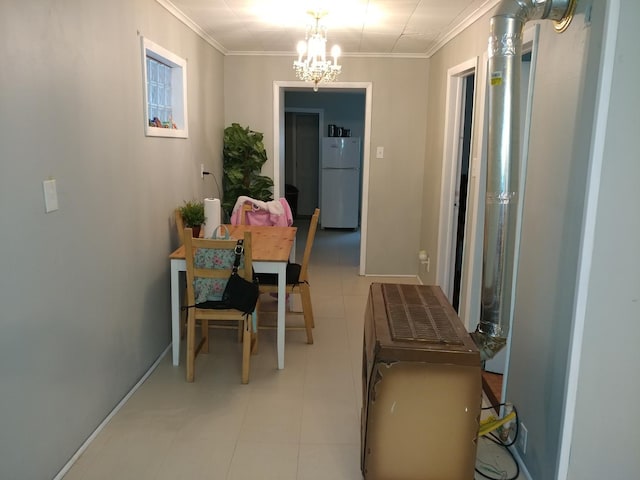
(492, 423)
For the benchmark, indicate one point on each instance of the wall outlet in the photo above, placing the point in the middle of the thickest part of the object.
(522, 438)
(425, 260)
(202, 170)
(50, 195)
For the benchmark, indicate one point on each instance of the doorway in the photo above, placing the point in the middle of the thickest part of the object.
(279, 89)
(458, 151)
(302, 154)
(462, 183)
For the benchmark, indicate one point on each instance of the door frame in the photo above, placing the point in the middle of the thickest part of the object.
(454, 103)
(279, 87)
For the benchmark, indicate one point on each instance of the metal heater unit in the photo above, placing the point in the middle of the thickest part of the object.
(422, 387)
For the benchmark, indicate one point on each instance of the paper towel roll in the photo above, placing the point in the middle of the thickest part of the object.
(212, 216)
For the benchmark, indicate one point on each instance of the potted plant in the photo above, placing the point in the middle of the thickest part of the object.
(193, 215)
(243, 157)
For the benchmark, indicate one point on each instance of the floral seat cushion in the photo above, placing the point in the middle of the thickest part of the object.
(210, 289)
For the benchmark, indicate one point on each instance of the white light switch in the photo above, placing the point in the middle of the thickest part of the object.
(50, 196)
(380, 152)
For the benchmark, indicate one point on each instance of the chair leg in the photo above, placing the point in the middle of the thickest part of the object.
(246, 349)
(205, 336)
(254, 332)
(191, 345)
(307, 310)
(183, 322)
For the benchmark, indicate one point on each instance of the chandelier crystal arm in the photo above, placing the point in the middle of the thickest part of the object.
(312, 64)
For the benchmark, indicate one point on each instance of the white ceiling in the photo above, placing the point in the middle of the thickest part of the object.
(360, 27)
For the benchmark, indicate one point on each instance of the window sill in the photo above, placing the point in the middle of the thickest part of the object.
(166, 132)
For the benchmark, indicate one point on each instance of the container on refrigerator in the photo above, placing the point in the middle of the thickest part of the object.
(340, 182)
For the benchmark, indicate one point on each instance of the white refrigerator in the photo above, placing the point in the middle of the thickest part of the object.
(340, 182)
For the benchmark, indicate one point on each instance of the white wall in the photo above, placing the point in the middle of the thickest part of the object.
(84, 291)
(605, 441)
(398, 123)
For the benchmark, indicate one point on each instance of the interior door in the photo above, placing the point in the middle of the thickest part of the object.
(462, 181)
(302, 157)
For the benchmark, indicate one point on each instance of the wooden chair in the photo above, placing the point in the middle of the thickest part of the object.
(297, 279)
(205, 311)
(247, 207)
(180, 226)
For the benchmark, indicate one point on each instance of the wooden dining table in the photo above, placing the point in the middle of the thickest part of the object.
(272, 248)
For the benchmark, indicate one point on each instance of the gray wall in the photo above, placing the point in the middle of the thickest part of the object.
(552, 230)
(554, 193)
(398, 123)
(344, 109)
(84, 291)
(605, 437)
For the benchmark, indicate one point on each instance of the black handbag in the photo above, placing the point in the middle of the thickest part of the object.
(239, 293)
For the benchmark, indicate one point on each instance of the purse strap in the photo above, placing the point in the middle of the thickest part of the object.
(219, 230)
(239, 250)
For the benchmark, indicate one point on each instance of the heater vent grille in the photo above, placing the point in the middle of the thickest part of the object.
(416, 314)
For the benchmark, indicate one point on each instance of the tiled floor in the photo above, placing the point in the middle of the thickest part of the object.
(300, 423)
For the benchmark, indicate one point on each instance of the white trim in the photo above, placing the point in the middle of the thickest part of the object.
(460, 27)
(469, 307)
(453, 107)
(104, 423)
(278, 145)
(586, 248)
(178, 89)
(342, 55)
(530, 41)
(176, 12)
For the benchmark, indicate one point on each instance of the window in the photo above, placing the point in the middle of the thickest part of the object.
(165, 92)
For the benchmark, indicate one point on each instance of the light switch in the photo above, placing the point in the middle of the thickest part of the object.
(380, 152)
(50, 196)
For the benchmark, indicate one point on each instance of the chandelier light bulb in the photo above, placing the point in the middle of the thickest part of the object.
(302, 49)
(335, 53)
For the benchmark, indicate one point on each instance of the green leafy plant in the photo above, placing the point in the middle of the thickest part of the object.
(244, 155)
(192, 213)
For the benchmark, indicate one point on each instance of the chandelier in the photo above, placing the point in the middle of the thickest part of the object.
(312, 64)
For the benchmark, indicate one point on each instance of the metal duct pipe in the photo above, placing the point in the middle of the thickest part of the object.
(503, 161)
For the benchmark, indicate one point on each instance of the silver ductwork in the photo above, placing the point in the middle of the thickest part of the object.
(503, 161)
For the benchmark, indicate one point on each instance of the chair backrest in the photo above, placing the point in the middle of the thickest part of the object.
(211, 270)
(313, 226)
(247, 207)
(180, 226)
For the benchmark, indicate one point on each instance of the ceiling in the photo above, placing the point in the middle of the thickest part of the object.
(360, 27)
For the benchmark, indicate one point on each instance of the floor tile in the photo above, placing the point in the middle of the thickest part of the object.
(299, 423)
(264, 461)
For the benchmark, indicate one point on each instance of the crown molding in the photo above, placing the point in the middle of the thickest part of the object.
(176, 12)
(343, 55)
(460, 27)
(482, 10)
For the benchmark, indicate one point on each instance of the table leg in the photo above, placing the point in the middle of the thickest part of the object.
(175, 312)
(282, 300)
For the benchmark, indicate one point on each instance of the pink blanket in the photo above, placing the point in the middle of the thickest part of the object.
(272, 213)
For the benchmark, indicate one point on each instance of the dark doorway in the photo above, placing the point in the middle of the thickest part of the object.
(301, 157)
(462, 186)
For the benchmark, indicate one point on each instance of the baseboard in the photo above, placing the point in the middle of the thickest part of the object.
(523, 467)
(117, 408)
